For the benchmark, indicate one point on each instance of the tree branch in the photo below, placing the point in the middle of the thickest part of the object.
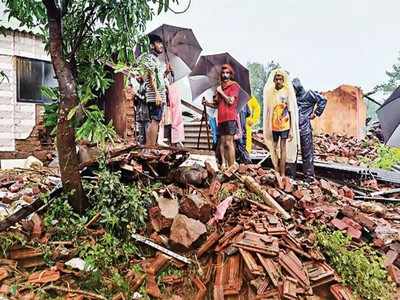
(79, 36)
(65, 7)
(178, 12)
(183, 11)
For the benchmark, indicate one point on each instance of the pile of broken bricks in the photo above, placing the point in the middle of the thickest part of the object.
(20, 187)
(247, 233)
(250, 250)
(347, 150)
(341, 149)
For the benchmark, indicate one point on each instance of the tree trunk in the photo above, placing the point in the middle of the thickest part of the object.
(68, 158)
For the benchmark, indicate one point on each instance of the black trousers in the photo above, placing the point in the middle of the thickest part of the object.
(307, 153)
(142, 128)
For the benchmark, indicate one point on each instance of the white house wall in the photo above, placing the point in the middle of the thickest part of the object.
(17, 119)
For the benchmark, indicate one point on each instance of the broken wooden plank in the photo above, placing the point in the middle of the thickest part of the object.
(254, 187)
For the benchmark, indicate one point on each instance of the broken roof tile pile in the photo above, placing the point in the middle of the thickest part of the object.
(247, 231)
(347, 150)
(255, 253)
(341, 149)
(20, 187)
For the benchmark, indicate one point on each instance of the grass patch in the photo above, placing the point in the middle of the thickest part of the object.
(361, 269)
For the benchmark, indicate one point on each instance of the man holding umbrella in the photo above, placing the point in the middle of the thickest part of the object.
(226, 103)
(156, 89)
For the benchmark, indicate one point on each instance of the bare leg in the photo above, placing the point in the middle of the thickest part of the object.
(222, 150)
(282, 162)
(276, 167)
(152, 134)
(230, 150)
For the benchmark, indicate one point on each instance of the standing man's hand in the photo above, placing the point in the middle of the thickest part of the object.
(290, 138)
(168, 69)
(158, 99)
(313, 116)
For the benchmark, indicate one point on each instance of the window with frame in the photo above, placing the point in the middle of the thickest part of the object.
(32, 75)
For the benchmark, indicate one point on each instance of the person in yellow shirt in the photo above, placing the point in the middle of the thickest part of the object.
(281, 128)
(252, 121)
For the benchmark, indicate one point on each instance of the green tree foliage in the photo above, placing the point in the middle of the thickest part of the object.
(81, 36)
(258, 78)
(393, 78)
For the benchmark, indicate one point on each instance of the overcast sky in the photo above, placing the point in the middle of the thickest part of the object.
(324, 42)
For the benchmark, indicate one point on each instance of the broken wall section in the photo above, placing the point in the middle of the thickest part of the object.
(345, 113)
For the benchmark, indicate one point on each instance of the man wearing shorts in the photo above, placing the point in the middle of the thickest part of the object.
(226, 103)
(156, 90)
(280, 120)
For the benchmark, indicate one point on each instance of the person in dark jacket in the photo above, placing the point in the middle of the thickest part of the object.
(311, 105)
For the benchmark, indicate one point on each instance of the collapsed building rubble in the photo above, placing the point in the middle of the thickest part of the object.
(246, 234)
(341, 149)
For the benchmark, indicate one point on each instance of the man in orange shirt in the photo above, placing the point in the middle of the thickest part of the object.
(280, 120)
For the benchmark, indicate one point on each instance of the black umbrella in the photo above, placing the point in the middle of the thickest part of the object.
(181, 49)
(206, 75)
(389, 117)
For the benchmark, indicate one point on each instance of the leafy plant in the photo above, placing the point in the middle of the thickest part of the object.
(170, 270)
(362, 269)
(106, 252)
(94, 129)
(50, 117)
(122, 207)
(9, 239)
(90, 126)
(387, 157)
(62, 222)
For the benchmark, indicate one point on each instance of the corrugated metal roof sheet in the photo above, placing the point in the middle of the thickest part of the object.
(12, 23)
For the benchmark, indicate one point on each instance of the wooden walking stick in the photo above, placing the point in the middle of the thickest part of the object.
(204, 117)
